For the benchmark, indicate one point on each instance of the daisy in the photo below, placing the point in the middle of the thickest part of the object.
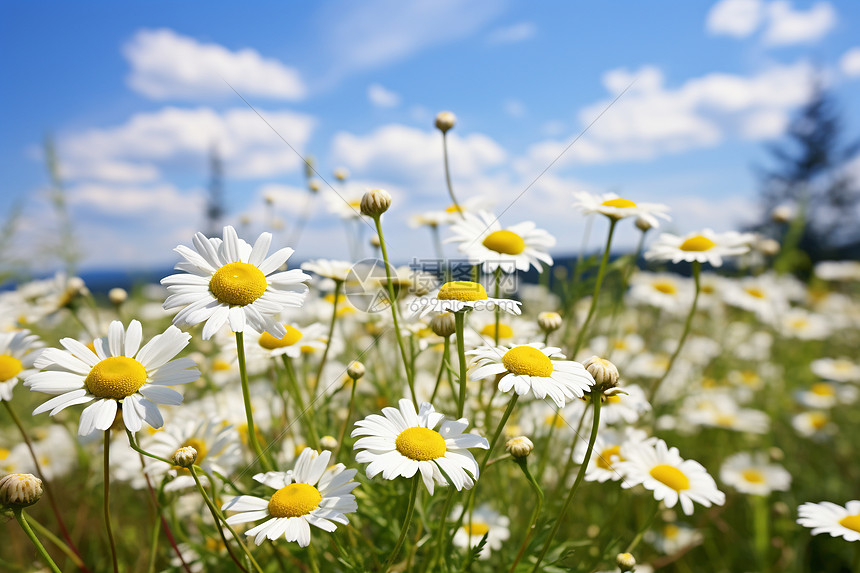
(804, 325)
(18, 351)
(667, 291)
(826, 517)
(838, 270)
(312, 493)
(482, 238)
(752, 474)
(838, 370)
(227, 280)
(480, 522)
(327, 268)
(455, 296)
(119, 371)
(607, 453)
(823, 395)
(296, 341)
(704, 247)
(662, 470)
(403, 442)
(615, 207)
(346, 204)
(533, 367)
(673, 537)
(451, 214)
(815, 424)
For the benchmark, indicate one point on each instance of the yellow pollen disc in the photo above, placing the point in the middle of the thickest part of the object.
(329, 298)
(697, 243)
(818, 420)
(665, 287)
(671, 531)
(421, 444)
(294, 500)
(753, 476)
(605, 461)
(555, 420)
(619, 202)
(851, 522)
(292, 336)
(708, 289)
(842, 366)
(238, 284)
(220, 365)
(505, 331)
(799, 323)
(476, 528)
(465, 291)
(670, 476)
(822, 389)
(198, 445)
(527, 361)
(4, 453)
(9, 367)
(613, 399)
(505, 242)
(355, 204)
(116, 377)
(725, 420)
(454, 209)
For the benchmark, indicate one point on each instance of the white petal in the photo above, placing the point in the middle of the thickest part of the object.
(161, 395)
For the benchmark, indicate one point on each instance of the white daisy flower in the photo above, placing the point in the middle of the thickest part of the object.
(754, 474)
(607, 452)
(838, 369)
(815, 424)
(667, 291)
(312, 493)
(826, 517)
(704, 247)
(615, 207)
(119, 371)
(403, 442)
(804, 325)
(297, 341)
(451, 214)
(533, 367)
(662, 470)
(838, 270)
(455, 296)
(18, 351)
(328, 268)
(673, 537)
(823, 395)
(346, 204)
(480, 522)
(230, 281)
(481, 237)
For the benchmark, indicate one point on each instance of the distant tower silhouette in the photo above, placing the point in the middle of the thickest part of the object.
(215, 204)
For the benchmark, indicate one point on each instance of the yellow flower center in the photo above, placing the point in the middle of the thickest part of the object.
(671, 531)
(294, 500)
(604, 460)
(505, 331)
(465, 291)
(527, 361)
(818, 420)
(698, 243)
(505, 242)
(670, 476)
(614, 399)
(292, 336)
(725, 420)
(220, 365)
(9, 367)
(476, 528)
(238, 284)
(4, 453)
(619, 202)
(843, 366)
(454, 209)
(198, 445)
(555, 419)
(823, 389)
(755, 292)
(421, 444)
(355, 204)
(116, 377)
(665, 287)
(851, 522)
(753, 476)
(799, 323)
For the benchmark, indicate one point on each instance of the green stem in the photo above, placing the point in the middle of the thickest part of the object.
(107, 501)
(460, 326)
(246, 396)
(314, 559)
(523, 463)
(347, 419)
(569, 464)
(22, 521)
(446, 355)
(306, 411)
(580, 337)
(410, 509)
(153, 545)
(448, 174)
(138, 449)
(497, 311)
(46, 533)
(635, 541)
(761, 528)
(595, 399)
(393, 304)
(318, 379)
(697, 268)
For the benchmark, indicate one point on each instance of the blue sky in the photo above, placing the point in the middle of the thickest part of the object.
(134, 97)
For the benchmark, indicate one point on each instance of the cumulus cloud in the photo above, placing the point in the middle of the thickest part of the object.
(512, 34)
(155, 201)
(379, 96)
(166, 65)
(148, 143)
(850, 62)
(789, 26)
(738, 18)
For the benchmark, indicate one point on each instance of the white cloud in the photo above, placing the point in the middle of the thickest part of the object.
(156, 201)
(515, 108)
(382, 97)
(166, 65)
(738, 18)
(147, 143)
(512, 34)
(788, 26)
(850, 62)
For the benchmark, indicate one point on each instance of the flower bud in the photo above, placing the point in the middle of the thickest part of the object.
(443, 324)
(374, 241)
(341, 173)
(549, 321)
(117, 296)
(375, 202)
(20, 490)
(625, 561)
(185, 457)
(445, 120)
(643, 224)
(603, 371)
(769, 247)
(314, 185)
(520, 447)
(782, 214)
(328, 442)
(355, 370)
